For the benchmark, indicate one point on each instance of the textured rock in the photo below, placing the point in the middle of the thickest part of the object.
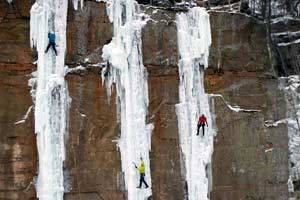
(242, 169)
(159, 38)
(93, 160)
(167, 181)
(237, 43)
(14, 42)
(16, 9)
(239, 62)
(17, 141)
(88, 30)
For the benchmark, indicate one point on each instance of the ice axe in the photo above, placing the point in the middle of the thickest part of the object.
(134, 165)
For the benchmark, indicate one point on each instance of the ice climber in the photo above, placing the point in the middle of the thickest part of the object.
(201, 123)
(141, 170)
(51, 37)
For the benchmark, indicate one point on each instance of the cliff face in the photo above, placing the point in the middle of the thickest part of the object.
(240, 69)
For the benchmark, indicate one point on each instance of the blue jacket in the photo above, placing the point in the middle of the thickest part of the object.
(51, 37)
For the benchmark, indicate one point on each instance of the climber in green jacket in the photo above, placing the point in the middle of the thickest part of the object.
(141, 170)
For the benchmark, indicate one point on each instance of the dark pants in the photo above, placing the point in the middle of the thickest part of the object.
(142, 180)
(199, 125)
(53, 46)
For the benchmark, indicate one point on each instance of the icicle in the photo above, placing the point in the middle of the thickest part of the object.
(128, 73)
(194, 40)
(51, 96)
(75, 4)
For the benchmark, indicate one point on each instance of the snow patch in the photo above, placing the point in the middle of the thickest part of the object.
(25, 116)
(74, 70)
(288, 43)
(271, 123)
(234, 108)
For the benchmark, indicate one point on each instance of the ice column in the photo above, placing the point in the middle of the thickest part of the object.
(126, 70)
(51, 97)
(75, 4)
(194, 40)
(291, 87)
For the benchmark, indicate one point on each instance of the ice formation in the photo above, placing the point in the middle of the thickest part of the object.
(51, 96)
(291, 87)
(194, 40)
(126, 70)
(75, 3)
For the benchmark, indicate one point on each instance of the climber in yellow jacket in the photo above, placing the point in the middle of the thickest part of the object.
(141, 170)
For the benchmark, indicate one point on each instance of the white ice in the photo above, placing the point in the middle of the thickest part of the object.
(194, 40)
(291, 88)
(75, 3)
(51, 96)
(234, 108)
(25, 116)
(126, 70)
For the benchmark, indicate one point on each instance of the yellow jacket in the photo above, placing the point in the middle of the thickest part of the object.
(142, 167)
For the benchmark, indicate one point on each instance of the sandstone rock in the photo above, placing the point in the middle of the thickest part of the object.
(18, 159)
(237, 43)
(88, 31)
(240, 58)
(242, 169)
(159, 38)
(167, 180)
(93, 160)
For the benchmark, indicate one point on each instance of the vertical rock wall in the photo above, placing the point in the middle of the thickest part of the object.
(18, 157)
(241, 167)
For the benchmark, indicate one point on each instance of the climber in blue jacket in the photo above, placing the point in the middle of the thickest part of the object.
(51, 37)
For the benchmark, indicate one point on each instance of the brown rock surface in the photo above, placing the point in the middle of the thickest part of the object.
(93, 160)
(88, 30)
(159, 38)
(241, 168)
(237, 43)
(17, 141)
(167, 181)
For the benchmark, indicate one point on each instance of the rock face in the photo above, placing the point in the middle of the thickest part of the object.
(87, 31)
(93, 160)
(167, 181)
(18, 156)
(244, 165)
(237, 43)
(239, 70)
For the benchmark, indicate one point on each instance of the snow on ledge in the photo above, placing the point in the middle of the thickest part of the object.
(25, 116)
(75, 70)
(234, 108)
(271, 123)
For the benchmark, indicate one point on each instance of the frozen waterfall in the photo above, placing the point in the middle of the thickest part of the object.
(51, 96)
(291, 87)
(194, 40)
(126, 70)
